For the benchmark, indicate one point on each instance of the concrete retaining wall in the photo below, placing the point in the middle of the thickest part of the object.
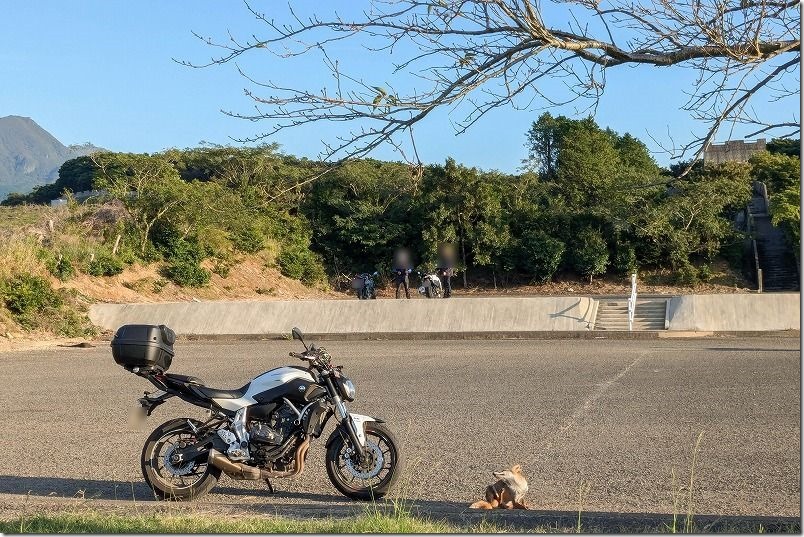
(461, 316)
(274, 318)
(720, 313)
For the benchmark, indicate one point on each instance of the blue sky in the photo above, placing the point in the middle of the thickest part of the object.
(102, 71)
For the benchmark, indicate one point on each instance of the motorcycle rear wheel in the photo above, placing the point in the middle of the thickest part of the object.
(372, 479)
(182, 482)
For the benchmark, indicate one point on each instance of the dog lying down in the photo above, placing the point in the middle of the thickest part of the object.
(507, 493)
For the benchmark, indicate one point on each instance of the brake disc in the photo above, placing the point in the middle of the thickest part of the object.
(364, 470)
(182, 469)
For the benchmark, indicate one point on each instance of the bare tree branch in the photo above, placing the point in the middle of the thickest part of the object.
(474, 56)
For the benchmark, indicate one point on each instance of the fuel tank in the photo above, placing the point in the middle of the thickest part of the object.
(288, 381)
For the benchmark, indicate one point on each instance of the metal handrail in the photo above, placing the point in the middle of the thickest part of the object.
(632, 302)
(757, 267)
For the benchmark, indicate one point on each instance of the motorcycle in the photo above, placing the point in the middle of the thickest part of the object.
(430, 285)
(363, 284)
(260, 431)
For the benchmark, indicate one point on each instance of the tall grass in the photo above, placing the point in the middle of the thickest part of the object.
(584, 489)
(680, 493)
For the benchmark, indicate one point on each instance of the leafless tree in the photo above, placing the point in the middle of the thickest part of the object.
(477, 55)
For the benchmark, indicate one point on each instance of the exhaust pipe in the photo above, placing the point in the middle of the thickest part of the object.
(238, 470)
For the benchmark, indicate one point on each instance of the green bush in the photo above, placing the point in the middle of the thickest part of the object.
(705, 273)
(60, 267)
(25, 294)
(540, 255)
(687, 274)
(186, 272)
(71, 323)
(248, 239)
(105, 264)
(298, 262)
(625, 259)
(590, 254)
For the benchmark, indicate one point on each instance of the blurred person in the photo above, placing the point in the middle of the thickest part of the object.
(446, 267)
(402, 267)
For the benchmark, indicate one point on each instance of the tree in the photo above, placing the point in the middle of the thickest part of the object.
(785, 146)
(149, 187)
(361, 212)
(590, 255)
(540, 255)
(786, 212)
(464, 206)
(588, 166)
(695, 216)
(777, 170)
(493, 53)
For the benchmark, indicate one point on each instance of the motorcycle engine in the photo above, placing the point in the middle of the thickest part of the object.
(276, 429)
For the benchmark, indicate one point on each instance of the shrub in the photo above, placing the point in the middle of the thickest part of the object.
(186, 272)
(248, 239)
(705, 273)
(540, 255)
(60, 267)
(105, 264)
(686, 274)
(590, 254)
(71, 323)
(625, 260)
(298, 262)
(25, 294)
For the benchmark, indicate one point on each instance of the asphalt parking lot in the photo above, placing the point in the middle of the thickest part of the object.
(620, 417)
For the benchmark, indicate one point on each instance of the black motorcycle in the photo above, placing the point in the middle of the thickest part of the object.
(363, 284)
(260, 431)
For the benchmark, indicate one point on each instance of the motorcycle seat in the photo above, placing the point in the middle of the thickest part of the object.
(197, 385)
(214, 393)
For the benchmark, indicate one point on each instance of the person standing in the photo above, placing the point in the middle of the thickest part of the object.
(402, 267)
(446, 267)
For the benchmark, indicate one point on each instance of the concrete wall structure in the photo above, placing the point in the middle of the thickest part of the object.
(457, 316)
(733, 150)
(719, 313)
(274, 318)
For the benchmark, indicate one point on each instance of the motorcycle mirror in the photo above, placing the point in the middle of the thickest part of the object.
(297, 334)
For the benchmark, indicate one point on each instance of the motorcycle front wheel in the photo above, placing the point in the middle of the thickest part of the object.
(171, 480)
(371, 477)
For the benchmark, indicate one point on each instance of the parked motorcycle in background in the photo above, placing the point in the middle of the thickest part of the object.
(430, 285)
(363, 284)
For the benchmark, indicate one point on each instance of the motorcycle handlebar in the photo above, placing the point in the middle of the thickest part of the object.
(298, 355)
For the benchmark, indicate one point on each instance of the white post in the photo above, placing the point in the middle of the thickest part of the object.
(632, 302)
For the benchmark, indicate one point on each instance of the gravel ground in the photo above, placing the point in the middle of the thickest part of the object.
(618, 417)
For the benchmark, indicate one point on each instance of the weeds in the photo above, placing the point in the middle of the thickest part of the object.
(676, 492)
(584, 489)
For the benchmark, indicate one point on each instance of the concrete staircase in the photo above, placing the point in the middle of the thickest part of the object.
(612, 314)
(776, 260)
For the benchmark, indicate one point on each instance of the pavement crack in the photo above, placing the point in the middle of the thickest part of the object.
(602, 388)
(592, 399)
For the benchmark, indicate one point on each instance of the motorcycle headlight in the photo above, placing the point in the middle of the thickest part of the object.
(347, 389)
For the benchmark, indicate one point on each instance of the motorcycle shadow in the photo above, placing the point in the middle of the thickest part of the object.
(89, 489)
(63, 487)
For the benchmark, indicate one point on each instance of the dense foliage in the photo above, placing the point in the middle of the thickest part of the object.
(589, 201)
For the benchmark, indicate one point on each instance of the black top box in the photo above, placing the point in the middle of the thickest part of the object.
(146, 346)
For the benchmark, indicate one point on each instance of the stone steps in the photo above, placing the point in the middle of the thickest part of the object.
(612, 314)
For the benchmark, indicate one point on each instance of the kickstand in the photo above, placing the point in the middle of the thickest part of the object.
(270, 486)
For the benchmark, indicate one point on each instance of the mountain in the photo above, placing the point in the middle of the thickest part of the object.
(31, 156)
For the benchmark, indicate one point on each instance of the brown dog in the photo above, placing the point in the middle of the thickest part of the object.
(507, 493)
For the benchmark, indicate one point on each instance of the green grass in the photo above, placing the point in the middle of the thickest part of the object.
(95, 522)
(374, 520)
